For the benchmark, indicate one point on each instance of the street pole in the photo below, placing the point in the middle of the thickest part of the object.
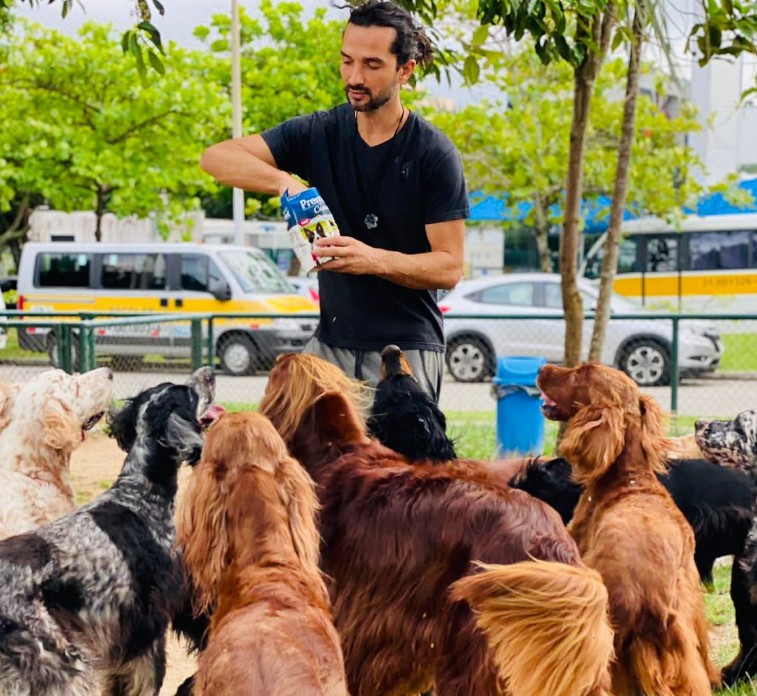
(236, 110)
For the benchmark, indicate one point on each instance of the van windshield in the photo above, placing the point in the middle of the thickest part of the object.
(255, 272)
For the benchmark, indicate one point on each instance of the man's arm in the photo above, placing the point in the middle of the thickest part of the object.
(248, 163)
(440, 268)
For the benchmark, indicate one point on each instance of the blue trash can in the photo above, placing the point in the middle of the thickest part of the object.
(520, 423)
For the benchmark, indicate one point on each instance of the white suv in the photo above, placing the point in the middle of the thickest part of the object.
(640, 347)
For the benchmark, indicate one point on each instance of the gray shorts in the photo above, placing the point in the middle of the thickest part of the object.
(365, 365)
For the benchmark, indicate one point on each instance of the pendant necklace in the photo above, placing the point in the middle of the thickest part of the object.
(371, 220)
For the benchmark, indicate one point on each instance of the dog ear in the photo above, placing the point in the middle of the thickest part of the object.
(298, 494)
(202, 532)
(122, 424)
(182, 437)
(593, 440)
(60, 428)
(653, 439)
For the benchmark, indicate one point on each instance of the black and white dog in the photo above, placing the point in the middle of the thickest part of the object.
(86, 599)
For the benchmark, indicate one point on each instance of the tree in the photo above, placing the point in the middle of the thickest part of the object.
(579, 32)
(521, 147)
(141, 40)
(81, 130)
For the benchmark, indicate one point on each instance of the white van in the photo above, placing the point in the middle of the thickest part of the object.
(166, 278)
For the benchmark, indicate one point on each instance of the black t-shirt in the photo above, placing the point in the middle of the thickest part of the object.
(414, 179)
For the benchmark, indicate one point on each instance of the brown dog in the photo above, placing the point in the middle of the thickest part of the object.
(628, 528)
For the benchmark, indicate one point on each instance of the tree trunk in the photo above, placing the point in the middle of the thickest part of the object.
(541, 229)
(612, 243)
(15, 234)
(102, 204)
(585, 76)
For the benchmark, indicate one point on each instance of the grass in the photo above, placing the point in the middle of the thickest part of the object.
(739, 354)
(475, 432)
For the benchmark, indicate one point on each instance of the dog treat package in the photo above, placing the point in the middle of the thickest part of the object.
(308, 218)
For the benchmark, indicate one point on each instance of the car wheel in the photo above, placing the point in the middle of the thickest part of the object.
(52, 351)
(237, 355)
(646, 362)
(469, 359)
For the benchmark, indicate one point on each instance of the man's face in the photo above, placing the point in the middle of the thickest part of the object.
(369, 68)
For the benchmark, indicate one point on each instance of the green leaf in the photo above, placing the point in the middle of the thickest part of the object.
(159, 7)
(471, 70)
(152, 33)
(480, 35)
(156, 62)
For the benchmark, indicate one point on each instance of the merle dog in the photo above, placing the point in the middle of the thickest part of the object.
(717, 502)
(404, 417)
(86, 599)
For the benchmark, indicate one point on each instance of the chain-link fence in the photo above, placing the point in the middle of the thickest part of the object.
(695, 366)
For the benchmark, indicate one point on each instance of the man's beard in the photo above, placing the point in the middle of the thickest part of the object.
(375, 102)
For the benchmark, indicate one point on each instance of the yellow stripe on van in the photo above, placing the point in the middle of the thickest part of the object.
(663, 285)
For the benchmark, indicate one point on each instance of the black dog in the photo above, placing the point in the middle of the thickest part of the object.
(716, 501)
(404, 417)
(86, 599)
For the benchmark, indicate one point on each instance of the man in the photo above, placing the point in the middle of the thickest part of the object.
(395, 186)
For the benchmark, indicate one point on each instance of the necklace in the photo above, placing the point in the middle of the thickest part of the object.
(371, 220)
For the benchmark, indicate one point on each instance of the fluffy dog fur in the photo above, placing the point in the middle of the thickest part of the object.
(246, 526)
(716, 501)
(730, 442)
(8, 393)
(396, 536)
(404, 417)
(45, 420)
(86, 599)
(628, 528)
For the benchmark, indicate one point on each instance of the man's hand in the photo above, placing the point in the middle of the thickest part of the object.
(291, 185)
(350, 256)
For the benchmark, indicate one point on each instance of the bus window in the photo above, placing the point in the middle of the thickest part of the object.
(627, 255)
(710, 251)
(662, 254)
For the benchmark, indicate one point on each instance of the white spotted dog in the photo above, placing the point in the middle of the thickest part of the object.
(44, 420)
(87, 599)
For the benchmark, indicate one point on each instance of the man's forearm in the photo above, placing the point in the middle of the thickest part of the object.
(429, 271)
(230, 164)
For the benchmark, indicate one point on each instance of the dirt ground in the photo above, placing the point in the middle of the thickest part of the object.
(94, 466)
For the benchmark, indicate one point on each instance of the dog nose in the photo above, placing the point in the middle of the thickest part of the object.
(110, 374)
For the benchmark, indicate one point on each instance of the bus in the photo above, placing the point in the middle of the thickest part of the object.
(697, 265)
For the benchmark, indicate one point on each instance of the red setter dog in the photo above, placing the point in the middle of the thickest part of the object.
(628, 528)
(246, 524)
(401, 547)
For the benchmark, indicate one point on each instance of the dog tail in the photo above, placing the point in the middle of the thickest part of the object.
(546, 624)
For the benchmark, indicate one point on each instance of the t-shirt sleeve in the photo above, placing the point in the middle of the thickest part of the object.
(446, 197)
(289, 143)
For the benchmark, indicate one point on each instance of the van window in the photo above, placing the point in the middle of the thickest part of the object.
(134, 271)
(662, 254)
(255, 272)
(719, 250)
(197, 271)
(63, 270)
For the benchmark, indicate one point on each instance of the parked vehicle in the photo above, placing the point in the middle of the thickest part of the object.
(640, 347)
(700, 264)
(166, 278)
(306, 286)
